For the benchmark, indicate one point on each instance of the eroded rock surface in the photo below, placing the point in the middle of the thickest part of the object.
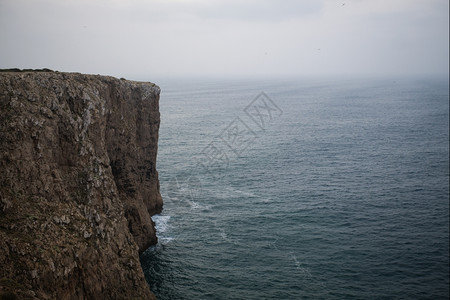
(78, 184)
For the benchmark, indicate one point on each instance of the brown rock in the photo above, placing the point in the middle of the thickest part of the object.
(78, 185)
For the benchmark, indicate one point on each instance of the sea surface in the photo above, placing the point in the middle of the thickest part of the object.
(303, 189)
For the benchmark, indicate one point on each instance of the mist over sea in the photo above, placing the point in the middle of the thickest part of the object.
(303, 189)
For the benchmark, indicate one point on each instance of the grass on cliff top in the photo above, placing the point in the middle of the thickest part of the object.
(16, 70)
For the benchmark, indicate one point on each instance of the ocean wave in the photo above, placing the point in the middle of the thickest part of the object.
(165, 240)
(230, 192)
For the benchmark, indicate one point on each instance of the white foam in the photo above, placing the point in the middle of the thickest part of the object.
(161, 223)
(195, 205)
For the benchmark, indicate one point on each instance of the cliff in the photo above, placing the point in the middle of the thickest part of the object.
(78, 185)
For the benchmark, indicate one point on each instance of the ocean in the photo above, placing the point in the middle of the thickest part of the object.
(302, 189)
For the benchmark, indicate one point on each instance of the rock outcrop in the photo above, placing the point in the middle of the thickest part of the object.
(78, 185)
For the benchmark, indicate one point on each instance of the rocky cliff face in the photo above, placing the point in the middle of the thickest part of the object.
(78, 184)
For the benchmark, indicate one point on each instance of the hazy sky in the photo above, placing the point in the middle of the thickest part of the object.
(264, 38)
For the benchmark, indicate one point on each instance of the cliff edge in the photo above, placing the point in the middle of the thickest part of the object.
(78, 185)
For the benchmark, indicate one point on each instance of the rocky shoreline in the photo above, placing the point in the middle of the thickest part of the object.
(78, 185)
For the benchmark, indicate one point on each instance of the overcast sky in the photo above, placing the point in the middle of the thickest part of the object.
(263, 38)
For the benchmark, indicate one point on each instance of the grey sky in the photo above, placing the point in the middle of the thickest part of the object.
(264, 38)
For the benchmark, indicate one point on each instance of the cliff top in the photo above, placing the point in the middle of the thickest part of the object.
(46, 70)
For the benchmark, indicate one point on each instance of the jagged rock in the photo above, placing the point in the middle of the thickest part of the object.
(78, 185)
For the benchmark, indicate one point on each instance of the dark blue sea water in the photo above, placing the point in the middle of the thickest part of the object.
(317, 189)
